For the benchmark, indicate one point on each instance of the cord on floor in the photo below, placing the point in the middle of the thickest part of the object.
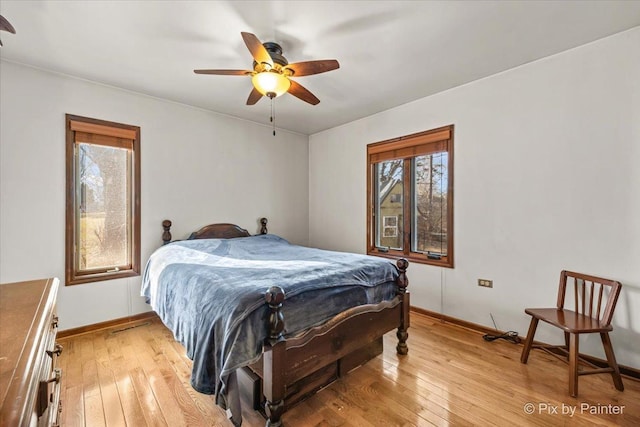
(511, 336)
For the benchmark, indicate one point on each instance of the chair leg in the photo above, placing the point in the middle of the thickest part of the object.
(529, 341)
(573, 364)
(611, 358)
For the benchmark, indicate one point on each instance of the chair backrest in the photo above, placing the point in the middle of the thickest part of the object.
(589, 295)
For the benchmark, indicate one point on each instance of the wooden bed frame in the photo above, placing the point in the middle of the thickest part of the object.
(293, 368)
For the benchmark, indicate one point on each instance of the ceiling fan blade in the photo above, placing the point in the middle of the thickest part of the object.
(299, 91)
(6, 26)
(224, 72)
(259, 53)
(308, 68)
(254, 97)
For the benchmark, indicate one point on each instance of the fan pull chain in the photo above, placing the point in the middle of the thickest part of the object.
(273, 117)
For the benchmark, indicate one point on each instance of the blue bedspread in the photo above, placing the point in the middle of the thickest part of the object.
(210, 294)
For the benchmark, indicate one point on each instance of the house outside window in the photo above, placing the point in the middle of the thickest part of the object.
(410, 197)
(103, 200)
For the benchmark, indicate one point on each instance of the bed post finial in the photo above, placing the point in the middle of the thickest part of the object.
(402, 282)
(166, 235)
(274, 298)
(263, 223)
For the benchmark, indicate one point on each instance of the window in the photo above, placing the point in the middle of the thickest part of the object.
(390, 226)
(103, 200)
(410, 197)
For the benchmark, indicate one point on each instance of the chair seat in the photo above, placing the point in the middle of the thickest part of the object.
(568, 321)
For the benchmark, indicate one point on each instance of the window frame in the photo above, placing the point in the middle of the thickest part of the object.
(407, 148)
(104, 132)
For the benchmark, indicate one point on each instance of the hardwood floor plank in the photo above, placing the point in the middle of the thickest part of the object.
(111, 401)
(434, 397)
(203, 402)
(148, 372)
(94, 414)
(394, 393)
(450, 380)
(132, 409)
(378, 389)
(152, 412)
(176, 405)
(456, 380)
(73, 407)
(451, 377)
(93, 408)
(303, 414)
(144, 394)
(71, 386)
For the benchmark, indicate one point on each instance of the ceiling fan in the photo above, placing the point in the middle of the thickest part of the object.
(271, 75)
(6, 26)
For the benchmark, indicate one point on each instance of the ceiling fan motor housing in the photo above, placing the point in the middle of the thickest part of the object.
(275, 52)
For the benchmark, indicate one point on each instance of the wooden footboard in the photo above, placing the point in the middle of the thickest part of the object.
(310, 361)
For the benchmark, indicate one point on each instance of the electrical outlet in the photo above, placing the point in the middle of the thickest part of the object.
(485, 283)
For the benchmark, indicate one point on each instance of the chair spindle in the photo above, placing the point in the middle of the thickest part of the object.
(591, 300)
(600, 300)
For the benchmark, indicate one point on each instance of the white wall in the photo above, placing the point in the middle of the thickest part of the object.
(547, 177)
(197, 168)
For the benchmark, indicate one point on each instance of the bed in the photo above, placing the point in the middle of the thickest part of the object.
(267, 322)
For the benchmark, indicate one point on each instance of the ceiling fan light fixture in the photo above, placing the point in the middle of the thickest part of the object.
(271, 83)
(271, 72)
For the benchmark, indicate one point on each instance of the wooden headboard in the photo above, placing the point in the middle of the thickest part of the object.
(213, 231)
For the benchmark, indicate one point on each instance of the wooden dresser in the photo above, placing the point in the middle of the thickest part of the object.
(29, 378)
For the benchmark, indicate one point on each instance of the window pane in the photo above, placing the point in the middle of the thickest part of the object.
(430, 204)
(103, 207)
(389, 206)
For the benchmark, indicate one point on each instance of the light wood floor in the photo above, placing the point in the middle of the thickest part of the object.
(451, 376)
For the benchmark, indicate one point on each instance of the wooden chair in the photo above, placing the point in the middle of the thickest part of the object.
(586, 318)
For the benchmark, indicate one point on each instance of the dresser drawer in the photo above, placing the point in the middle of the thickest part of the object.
(47, 406)
(29, 376)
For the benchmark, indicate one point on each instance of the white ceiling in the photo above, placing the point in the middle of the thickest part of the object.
(390, 52)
